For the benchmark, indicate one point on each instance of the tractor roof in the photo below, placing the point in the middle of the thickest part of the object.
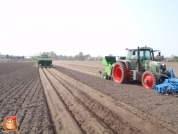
(141, 48)
(44, 56)
(146, 48)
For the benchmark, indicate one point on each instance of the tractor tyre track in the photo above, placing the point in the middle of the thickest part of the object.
(63, 121)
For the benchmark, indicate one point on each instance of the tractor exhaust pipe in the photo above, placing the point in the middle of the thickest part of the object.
(138, 59)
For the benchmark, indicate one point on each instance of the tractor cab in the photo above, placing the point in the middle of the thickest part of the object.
(44, 56)
(143, 53)
(141, 57)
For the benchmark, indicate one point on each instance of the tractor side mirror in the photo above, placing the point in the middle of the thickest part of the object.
(133, 52)
(159, 53)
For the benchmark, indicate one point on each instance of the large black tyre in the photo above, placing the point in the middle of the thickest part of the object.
(119, 72)
(149, 79)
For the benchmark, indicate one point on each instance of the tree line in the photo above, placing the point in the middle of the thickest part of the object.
(79, 56)
(7, 56)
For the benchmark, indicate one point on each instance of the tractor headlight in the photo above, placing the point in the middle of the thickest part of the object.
(162, 67)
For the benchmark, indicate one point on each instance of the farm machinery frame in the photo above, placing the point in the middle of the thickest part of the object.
(44, 61)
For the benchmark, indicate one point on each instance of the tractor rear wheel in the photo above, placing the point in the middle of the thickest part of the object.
(149, 79)
(119, 72)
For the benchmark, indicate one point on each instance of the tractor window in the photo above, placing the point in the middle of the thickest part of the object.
(145, 55)
(44, 56)
(133, 57)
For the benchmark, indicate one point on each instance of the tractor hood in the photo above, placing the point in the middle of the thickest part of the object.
(157, 67)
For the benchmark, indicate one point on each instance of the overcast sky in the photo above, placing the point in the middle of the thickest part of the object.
(96, 27)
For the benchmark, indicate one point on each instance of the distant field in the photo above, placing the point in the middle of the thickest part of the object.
(92, 67)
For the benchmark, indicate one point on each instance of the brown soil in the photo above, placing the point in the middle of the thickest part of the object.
(68, 101)
(88, 67)
(22, 96)
(92, 67)
(157, 107)
(90, 111)
(91, 116)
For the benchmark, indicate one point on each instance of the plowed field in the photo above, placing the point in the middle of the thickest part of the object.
(21, 94)
(62, 100)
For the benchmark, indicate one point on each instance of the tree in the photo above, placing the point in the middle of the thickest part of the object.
(44, 53)
(162, 57)
(175, 59)
(88, 55)
(80, 56)
(51, 54)
(34, 57)
(76, 57)
(99, 58)
(69, 58)
(7, 56)
(159, 58)
(60, 57)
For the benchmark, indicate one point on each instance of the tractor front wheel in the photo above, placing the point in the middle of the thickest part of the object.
(149, 79)
(119, 72)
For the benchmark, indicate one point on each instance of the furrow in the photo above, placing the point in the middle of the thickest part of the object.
(84, 116)
(141, 124)
(60, 115)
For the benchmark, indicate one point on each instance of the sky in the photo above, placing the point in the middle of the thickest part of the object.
(95, 27)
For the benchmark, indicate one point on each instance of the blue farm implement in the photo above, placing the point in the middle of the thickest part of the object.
(169, 86)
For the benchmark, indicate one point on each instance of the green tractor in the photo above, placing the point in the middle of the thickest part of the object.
(138, 65)
(44, 61)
